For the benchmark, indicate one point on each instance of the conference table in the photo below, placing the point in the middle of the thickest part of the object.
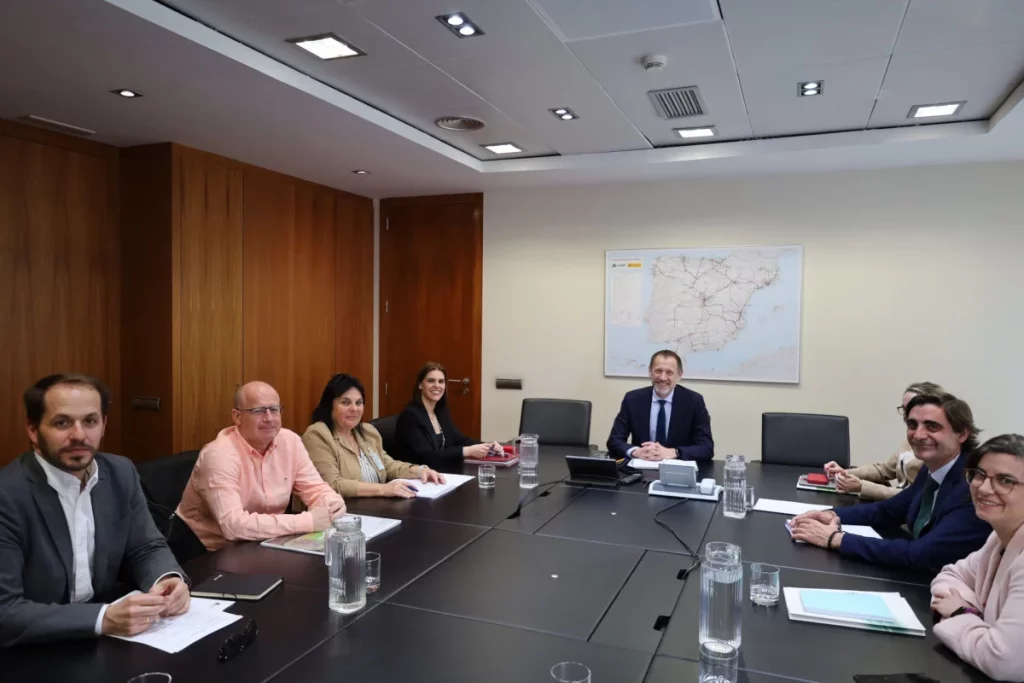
(498, 585)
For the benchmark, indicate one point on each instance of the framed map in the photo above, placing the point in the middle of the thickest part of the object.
(731, 313)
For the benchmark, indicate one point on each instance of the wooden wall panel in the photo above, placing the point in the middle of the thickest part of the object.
(149, 275)
(208, 198)
(355, 291)
(59, 271)
(289, 292)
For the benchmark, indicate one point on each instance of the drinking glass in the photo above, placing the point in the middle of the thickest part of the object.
(570, 672)
(764, 584)
(485, 476)
(719, 662)
(372, 572)
(152, 677)
(748, 496)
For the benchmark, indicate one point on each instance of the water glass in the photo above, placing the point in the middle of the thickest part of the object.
(372, 572)
(764, 584)
(570, 672)
(719, 662)
(153, 677)
(485, 476)
(750, 499)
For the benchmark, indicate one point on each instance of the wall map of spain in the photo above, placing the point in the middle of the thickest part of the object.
(732, 313)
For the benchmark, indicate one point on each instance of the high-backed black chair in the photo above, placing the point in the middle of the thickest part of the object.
(163, 482)
(805, 439)
(387, 426)
(557, 421)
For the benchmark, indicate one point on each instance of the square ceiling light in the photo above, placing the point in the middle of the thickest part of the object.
(694, 133)
(326, 46)
(927, 111)
(503, 148)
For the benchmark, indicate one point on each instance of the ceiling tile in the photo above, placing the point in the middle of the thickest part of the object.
(499, 129)
(576, 19)
(696, 54)
(983, 75)
(942, 24)
(406, 90)
(266, 25)
(780, 33)
(775, 108)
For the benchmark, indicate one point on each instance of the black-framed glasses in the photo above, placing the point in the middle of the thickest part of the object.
(1001, 483)
(238, 642)
(901, 411)
(259, 412)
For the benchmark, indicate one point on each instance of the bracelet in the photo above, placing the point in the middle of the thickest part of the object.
(965, 610)
(830, 537)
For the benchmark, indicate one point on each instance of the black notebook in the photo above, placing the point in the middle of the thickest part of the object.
(237, 586)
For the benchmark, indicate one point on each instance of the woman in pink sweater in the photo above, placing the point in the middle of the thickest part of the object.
(981, 597)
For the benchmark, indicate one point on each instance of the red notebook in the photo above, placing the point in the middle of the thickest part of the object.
(507, 459)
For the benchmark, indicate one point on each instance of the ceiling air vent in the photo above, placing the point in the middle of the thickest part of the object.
(677, 103)
(459, 123)
(58, 126)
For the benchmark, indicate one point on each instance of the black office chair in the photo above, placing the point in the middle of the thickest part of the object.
(163, 483)
(557, 421)
(387, 428)
(805, 439)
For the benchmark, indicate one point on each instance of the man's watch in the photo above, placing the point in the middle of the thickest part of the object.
(965, 610)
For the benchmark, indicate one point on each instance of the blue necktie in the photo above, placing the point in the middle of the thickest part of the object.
(660, 433)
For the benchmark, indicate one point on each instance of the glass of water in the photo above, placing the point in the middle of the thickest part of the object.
(764, 584)
(570, 672)
(719, 662)
(372, 572)
(485, 476)
(748, 496)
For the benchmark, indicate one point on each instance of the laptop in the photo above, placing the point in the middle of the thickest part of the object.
(588, 470)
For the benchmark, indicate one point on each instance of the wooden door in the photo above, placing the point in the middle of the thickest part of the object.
(431, 278)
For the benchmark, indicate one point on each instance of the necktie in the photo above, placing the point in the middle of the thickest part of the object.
(927, 505)
(660, 431)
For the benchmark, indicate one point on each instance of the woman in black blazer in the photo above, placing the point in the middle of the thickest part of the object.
(425, 432)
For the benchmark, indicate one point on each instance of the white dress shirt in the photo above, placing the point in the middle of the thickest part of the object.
(655, 406)
(940, 474)
(76, 501)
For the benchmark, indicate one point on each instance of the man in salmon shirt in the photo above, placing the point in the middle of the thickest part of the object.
(244, 479)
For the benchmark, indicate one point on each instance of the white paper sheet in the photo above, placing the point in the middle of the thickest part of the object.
(855, 529)
(786, 507)
(638, 464)
(452, 482)
(174, 634)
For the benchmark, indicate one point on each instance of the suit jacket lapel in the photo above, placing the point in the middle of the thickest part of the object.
(53, 516)
(643, 430)
(677, 416)
(104, 515)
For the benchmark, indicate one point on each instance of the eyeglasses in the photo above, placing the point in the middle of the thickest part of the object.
(901, 410)
(1001, 483)
(259, 412)
(238, 642)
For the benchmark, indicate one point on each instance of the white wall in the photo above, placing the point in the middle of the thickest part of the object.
(909, 275)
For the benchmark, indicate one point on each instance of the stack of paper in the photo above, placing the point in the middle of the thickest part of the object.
(801, 483)
(174, 634)
(313, 542)
(452, 482)
(868, 610)
(855, 529)
(786, 507)
(638, 464)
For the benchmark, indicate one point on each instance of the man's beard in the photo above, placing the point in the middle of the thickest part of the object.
(54, 458)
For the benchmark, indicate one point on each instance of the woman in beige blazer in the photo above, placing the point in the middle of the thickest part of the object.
(350, 455)
(874, 481)
(980, 599)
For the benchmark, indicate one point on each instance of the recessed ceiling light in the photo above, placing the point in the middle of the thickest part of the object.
(360, 171)
(564, 113)
(326, 46)
(461, 25)
(810, 88)
(924, 111)
(689, 133)
(124, 92)
(503, 148)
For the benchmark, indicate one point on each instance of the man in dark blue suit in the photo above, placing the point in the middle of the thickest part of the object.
(663, 421)
(941, 526)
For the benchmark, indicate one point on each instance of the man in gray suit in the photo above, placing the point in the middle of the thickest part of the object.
(74, 524)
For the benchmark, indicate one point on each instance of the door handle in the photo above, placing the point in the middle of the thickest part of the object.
(464, 382)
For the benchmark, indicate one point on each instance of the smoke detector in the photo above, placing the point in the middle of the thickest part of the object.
(459, 123)
(654, 62)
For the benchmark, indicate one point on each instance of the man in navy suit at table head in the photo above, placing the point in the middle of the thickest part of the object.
(665, 420)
